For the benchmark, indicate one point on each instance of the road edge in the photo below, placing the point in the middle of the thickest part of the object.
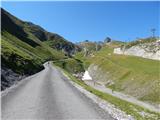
(106, 106)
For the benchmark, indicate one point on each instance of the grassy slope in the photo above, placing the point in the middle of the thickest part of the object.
(86, 61)
(18, 60)
(125, 106)
(71, 65)
(132, 75)
(140, 41)
(91, 46)
(23, 45)
(25, 55)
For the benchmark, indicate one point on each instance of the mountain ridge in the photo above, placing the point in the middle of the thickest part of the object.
(26, 46)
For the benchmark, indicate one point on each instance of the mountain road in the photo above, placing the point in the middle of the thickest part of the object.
(48, 95)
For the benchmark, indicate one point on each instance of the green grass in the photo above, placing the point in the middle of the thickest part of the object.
(86, 61)
(125, 106)
(23, 47)
(132, 75)
(18, 60)
(21, 57)
(71, 65)
(141, 41)
(90, 46)
(42, 51)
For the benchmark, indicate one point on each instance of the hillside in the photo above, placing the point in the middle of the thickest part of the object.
(131, 75)
(146, 48)
(26, 46)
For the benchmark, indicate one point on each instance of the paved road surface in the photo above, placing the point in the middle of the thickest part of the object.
(49, 96)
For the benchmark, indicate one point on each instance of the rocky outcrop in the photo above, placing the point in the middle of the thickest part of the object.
(146, 50)
(98, 75)
(9, 77)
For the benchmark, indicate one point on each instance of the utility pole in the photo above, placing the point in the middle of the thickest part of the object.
(153, 32)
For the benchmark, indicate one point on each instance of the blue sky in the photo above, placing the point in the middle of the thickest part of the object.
(94, 21)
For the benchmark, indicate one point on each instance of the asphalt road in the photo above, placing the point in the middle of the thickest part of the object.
(49, 96)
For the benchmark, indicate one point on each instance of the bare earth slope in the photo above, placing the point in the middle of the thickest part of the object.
(48, 95)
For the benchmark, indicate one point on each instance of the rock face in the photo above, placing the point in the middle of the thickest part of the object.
(146, 50)
(98, 75)
(8, 78)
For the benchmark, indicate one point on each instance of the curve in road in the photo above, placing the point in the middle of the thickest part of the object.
(47, 96)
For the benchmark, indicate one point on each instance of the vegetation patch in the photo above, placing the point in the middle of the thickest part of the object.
(129, 108)
(140, 41)
(131, 75)
(71, 65)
